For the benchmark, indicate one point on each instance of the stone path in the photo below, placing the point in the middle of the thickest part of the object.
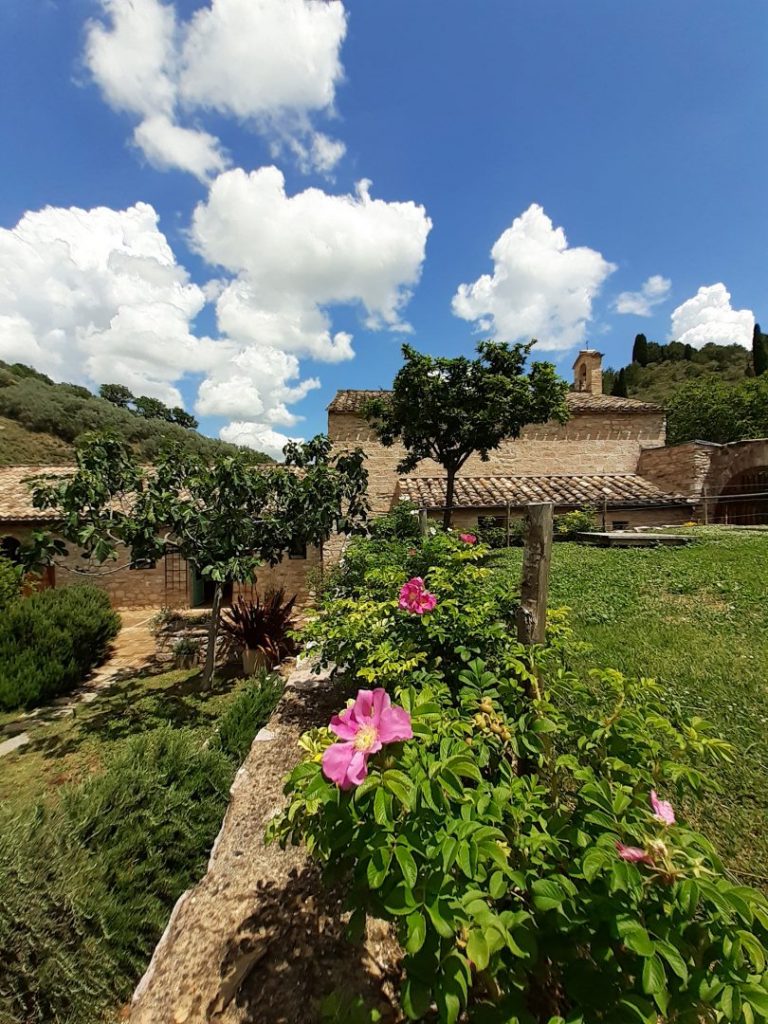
(133, 652)
(259, 939)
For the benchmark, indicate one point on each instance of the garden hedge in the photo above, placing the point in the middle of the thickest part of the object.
(50, 641)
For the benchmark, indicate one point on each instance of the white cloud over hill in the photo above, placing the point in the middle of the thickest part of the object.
(540, 286)
(709, 316)
(652, 292)
(269, 63)
(98, 295)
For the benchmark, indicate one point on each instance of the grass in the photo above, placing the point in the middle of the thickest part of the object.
(19, 446)
(695, 619)
(107, 816)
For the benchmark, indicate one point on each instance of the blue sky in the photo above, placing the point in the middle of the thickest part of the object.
(614, 155)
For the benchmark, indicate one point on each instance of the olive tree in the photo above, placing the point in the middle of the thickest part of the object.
(227, 516)
(446, 409)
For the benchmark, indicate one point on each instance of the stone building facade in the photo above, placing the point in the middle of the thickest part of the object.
(170, 582)
(592, 459)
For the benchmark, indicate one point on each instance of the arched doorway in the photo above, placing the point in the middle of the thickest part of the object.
(9, 548)
(744, 499)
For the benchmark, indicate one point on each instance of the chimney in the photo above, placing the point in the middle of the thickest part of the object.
(588, 372)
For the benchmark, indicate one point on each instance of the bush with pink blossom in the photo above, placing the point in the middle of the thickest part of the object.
(524, 829)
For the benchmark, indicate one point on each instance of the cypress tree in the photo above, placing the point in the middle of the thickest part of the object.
(619, 389)
(640, 350)
(759, 351)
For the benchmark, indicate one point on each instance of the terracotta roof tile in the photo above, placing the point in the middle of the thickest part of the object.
(622, 490)
(579, 403)
(16, 495)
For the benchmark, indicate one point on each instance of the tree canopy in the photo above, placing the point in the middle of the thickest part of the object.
(446, 409)
(712, 410)
(223, 514)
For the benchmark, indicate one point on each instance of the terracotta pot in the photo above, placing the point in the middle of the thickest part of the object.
(255, 659)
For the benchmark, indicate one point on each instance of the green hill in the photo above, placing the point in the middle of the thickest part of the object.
(40, 421)
(661, 378)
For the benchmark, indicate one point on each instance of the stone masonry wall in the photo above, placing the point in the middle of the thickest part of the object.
(466, 519)
(680, 469)
(586, 444)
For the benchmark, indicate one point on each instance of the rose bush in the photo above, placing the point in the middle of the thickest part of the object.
(526, 847)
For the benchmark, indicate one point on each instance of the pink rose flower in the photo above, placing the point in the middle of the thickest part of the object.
(663, 810)
(364, 727)
(468, 538)
(414, 597)
(633, 854)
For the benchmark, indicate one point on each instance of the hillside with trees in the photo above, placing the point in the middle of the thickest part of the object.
(658, 371)
(40, 421)
(717, 393)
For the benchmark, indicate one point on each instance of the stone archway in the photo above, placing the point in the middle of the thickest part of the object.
(743, 501)
(736, 484)
(9, 548)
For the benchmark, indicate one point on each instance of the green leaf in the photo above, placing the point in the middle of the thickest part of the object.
(673, 958)
(754, 949)
(757, 997)
(400, 901)
(449, 849)
(442, 926)
(477, 949)
(407, 864)
(635, 937)
(400, 785)
(640, 1009)
(415, 998)
(381, 807)
(547, 895)
(417, 931)
(497, 885)
(654, 978)
(595, 858)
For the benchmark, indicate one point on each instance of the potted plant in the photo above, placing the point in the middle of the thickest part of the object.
(260, 629)
(186, 652)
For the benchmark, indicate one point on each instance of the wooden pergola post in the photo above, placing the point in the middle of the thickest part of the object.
(534, 587)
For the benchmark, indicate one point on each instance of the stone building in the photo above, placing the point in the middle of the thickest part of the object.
(170, 582)
(610, 456)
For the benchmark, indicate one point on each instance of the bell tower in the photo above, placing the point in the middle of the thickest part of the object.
(588, 372)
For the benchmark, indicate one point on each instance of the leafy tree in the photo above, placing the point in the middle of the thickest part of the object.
(183, 418)
(117, 394)
(711, 410)
(224, 515)
(688, 352)
(759, 351)
(640, 350)
(448, 408)
(619, 388)
(152, 408)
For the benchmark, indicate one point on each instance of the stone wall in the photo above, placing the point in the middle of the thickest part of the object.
(155, 587)
(466, 519)
(680, 469)
(293, 574)
(586, 444)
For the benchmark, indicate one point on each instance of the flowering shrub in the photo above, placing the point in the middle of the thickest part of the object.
(524, 842)
(364, 727)
(414, 597)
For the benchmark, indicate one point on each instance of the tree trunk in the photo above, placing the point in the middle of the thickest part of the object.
(213, 633)
(450, 480)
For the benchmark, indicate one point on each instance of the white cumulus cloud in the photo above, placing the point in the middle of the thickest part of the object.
(290, 258)
(709, 316)
(271, 63)
(540, 286)
(652, 292)
(293, 256)
(253, 435)
(97, 296)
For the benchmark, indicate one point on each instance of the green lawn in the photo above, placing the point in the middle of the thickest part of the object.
(695, 619)
(106, 817)
(77, 746)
